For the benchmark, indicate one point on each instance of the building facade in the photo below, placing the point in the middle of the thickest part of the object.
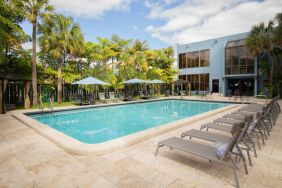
(222, 65)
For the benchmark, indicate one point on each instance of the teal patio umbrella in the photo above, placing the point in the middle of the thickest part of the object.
(90, 81)
(157, 82)
(135, 81)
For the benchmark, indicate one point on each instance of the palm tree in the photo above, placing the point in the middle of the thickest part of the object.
(34, 10)
(260, 41)
(11, 33)
(62, 39)
(278, 29)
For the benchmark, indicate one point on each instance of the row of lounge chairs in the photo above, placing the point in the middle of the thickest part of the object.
(90, 99)
(234, 134)
(112, 98)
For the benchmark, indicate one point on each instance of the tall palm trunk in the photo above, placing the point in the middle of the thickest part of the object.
(60, 82)
(34, 73)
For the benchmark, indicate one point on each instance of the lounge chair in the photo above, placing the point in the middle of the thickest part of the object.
(222, 124)
(259, 131)
(142, 96)
(78, 100)
(217, 137)
(236, 116)
(90, 99)
(102, 97)
(112, 97)
(228, 121)
(205, 151)
(126, 98)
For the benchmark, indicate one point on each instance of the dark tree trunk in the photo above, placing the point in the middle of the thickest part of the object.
(60, 83)
(26, 96)
(34, 73)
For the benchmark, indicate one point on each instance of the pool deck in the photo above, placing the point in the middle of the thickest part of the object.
(27, 159)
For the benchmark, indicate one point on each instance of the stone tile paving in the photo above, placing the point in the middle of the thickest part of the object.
(29, 160)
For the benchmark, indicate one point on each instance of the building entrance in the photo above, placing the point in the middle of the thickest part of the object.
(215, 85)
(242, 87)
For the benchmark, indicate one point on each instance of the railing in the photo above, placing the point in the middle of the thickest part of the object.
(264, 96)
(40, 104)
(50, 105)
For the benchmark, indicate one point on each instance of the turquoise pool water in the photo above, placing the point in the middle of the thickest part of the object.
(96, 125)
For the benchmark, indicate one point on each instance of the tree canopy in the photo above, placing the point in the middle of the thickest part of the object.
(64, 56)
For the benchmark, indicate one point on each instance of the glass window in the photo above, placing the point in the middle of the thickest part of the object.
(204, 58)
(237, 59)
(192, 59)
(197, 59)
(180, 61)
(184, 61)
(199, 82)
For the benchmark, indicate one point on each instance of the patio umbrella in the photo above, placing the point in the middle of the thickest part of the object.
(135, 81)
(91, 81)
(156, 82)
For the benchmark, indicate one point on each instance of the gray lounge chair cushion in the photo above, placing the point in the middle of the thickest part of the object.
(221, 149)
(228, 121)
(203, 150)
(222, 127)
(209, 136)
(235, 116)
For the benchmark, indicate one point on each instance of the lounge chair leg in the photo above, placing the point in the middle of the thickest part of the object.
(257, 137)
(244, 160)
(253, 144)
(157, 149)
(249, 156)
(234, 167)
(255, 150)
(263, 136)
(233, 161)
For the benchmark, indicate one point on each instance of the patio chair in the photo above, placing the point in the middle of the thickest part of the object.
(216, 154)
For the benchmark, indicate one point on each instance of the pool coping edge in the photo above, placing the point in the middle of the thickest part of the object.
(76, 147)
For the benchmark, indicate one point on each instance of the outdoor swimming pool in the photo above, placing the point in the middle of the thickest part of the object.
(100, 124)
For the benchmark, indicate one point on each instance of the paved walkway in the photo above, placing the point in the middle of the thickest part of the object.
(29, 160)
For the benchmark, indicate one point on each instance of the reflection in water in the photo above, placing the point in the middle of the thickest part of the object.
(101, 124)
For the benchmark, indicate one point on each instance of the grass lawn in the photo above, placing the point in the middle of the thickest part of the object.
(45, 105)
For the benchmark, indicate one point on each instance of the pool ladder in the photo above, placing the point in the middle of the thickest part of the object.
(50, 105)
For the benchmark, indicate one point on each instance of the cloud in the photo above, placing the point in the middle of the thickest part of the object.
(195, 20)
(135, 28)
(28, 46)
(90, 8)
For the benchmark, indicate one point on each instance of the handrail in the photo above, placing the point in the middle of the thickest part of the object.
(50, 105)
(40, 105)
(262, 96)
